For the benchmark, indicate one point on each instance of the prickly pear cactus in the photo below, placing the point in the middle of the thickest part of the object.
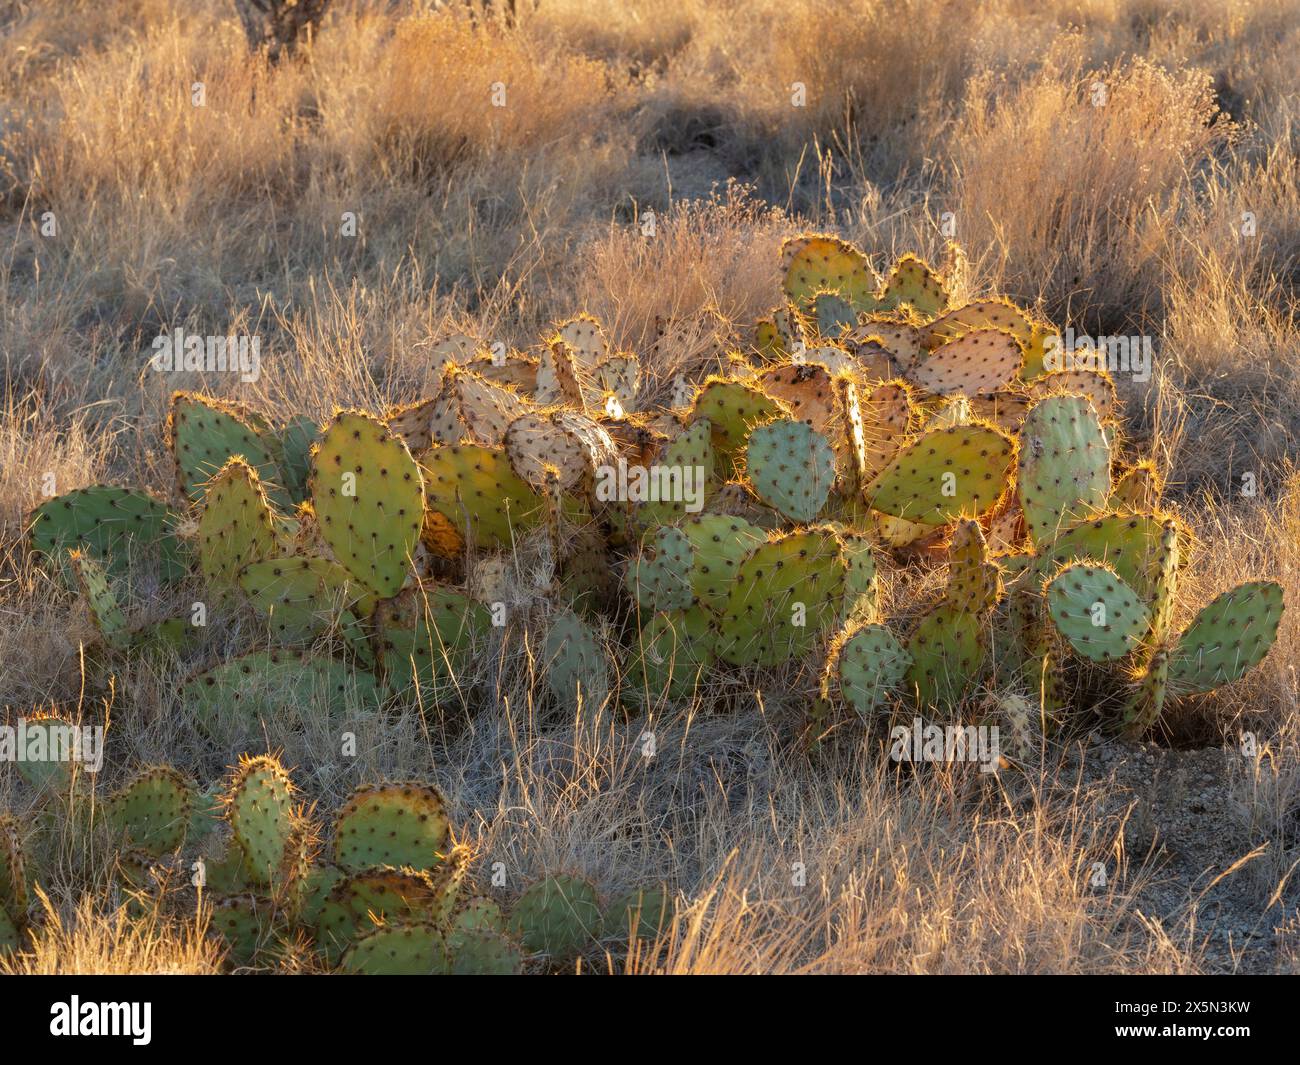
(205, 433)
(478, 492)
(868, 664)
(1227, 639)
(660, 577)
(947, 473)
(112, 525)
(152, 812)
(1102, 617)
(100, 601)
(558, 916)
(1064, 465)
(787, 592)
(260, 808)
(815, 263)
(792, 468)
(576, 666)
(732, 409)
(236, 526)
(369, 500)
(406, 949)
(392, 824)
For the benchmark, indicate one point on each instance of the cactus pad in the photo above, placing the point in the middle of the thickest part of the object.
(1227, 639)
(945, 474)
(786, 593)
(100, 600)
(240, 695)
(816, 263)
(660, 578)
(1064, 465)
(672, 651)
(392, 824)
(205, 433)
(914, 282)
(112, 524)
(868, 664)
(260, 809)
(575, 662)
(558, 916)
(976, 363)
(732, 409)
(947, 650)
(414, 949)
(427, 635)
(369, 500)
(236, 526)
(477, 491)
(1102, 617)
(153, 811)
(719, 543)
(792, 468)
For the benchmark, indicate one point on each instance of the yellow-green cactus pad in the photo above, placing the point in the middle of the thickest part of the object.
(945, 474)
(369, 500)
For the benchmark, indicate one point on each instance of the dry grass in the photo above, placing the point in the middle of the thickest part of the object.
(1125, 216)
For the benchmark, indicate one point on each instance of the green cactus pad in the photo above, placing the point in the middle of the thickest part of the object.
(260, 809)
(1102, 617)
(100, 600)
(416, 949)
(975, 364)
(691, 450)
(114, 525)
(236, 526)
(832, 314)
(292, 444)
(719, 543)
(484, 953)
(642, 913)
(476, 913)
(427, 636)
(239, 696)
(670, 655)
(302, 597)
(947, 650)
(868, 664)
(153, 811)
(379, 896)
(660, 577)
(205, 433)
(392, 824)
(243, 923)
(792, 468)
(974, 582)
(1133, 545)
(575, 662)
(369, 500)
(816, 263)
(558, 916)
(1227, 639)
(47, 773)
(1064, 465)
(916, 484)
(732, 409)
(914, 282)
(475, 488)
(797, 577)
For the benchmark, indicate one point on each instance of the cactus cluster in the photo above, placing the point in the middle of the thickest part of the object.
(870, 426)
(384, 888)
